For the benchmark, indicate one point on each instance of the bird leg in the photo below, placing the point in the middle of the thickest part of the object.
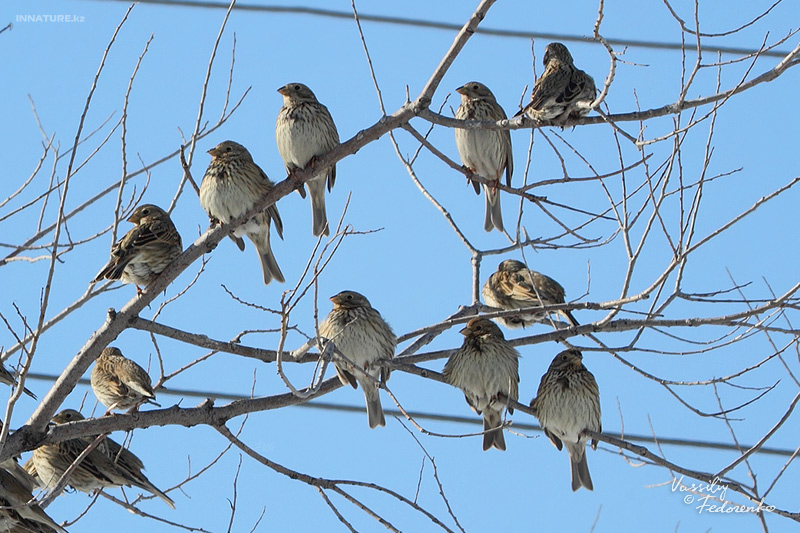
(299, 186)
(470, 181)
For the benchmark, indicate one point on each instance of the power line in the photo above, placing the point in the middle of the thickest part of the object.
(474, 421)
(402, 21)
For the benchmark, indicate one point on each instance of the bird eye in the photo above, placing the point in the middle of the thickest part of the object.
(146, 211)
(228, 149)
(296, 87)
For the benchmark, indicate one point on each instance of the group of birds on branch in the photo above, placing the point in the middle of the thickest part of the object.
(485, 367)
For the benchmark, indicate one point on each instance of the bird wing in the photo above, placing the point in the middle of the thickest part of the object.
(136, 378)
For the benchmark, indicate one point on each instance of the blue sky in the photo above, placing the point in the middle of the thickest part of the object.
(414, 270)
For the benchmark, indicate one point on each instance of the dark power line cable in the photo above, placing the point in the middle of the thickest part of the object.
(474, 421)
(419, 23)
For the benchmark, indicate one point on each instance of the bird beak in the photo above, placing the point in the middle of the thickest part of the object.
(464, 331)
(214, 152)
(460, 90)
(283, 90)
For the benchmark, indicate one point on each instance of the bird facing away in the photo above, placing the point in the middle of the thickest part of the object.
(484, 367)
(16, 513)
(146, 250)
(107, 465)
(304, 131)
(360, 334)
(9, 379)
(484, 152)
(562, 91)
(120, 383)
(566, 404)
(231, 187)
(514, 286)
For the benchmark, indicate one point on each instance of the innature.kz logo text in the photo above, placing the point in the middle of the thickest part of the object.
(50, 18)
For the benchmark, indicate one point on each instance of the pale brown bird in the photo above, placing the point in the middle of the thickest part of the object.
(107, 465)
(485, 152)
(304, 131)
(19, 510)
(484, 367)
(9, 379)
(566, 404)
(231, 187)
(146, 250)
(548, 99)
(360, 334)
(563, 91)
(120, 383)
(514, 286)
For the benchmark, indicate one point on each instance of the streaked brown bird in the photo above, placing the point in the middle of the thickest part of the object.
(19, 510)
(304, 131)
(120, 383)
(231, 187)
(107, 465)
(514, 286)
(567, 403)
(359, 333)
(485, 152)
(9, 379)
(562, 91)
(146, 250)
(484, 367)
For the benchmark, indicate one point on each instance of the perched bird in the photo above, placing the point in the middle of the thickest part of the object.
(485, 152)
(19, 510)
(304, 131)
(360, 334)
(562, 91)
(119, 383)
(566, 404)
(514, 286)
(231, 187)
(107, 465)
(484, 367)
(146, 250)
(9, 379)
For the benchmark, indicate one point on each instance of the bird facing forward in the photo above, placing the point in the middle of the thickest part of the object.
(146, 250)
(514, 286)
(566, 404)
(231, 187)
(120, 383)
(484, 367)
(107, 465)
(484, 152)
(304, 131)
(562, 91)
(360, 334)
